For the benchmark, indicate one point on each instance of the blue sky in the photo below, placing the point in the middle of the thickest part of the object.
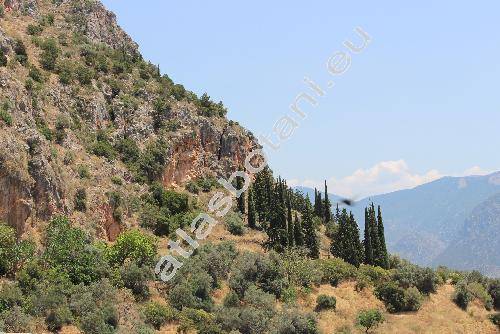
(421, 101)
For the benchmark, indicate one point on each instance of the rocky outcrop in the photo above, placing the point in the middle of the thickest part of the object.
(100, 26)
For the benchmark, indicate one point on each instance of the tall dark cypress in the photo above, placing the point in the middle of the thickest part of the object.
(340, 241)
(356, 248)
(241, 199)
(251, 209)
(311, 239)
(290, 223)
(298, 232)
(367, 241)
(327, 207)
(383, 257)
(318, 205)
(374, 234)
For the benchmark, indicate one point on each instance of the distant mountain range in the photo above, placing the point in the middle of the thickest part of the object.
(453, 221)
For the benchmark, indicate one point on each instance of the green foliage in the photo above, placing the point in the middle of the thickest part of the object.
(346, 243)
(83, 172)
(398, 299)
(62, 123)
(20, 51)
(136, 279)
(462, 296)
(292, 321)
(495, 319)
(158, 315)
(324, 302)
(135, 246)
(81, 200)
(84, 75)
(299, 270)
(234, 223)
(193, 291)
(375, 275)
(34, 29)
(102, 146)
(369, 319)
(15, 320)
(335, 270)
(209, 108)
(494, 291)
(5, 114)
(69, 250)
(262, 270)
(478, 291)
(3, 58)
(36, 74)
(13, 253)
(205, 184)
(424, 279)
(10, 296)
(50, 53)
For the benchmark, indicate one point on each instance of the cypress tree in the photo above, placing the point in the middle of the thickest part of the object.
(327, 207)
(318, 205)
(241, 199)
(339, 245)
(251, 209)
(374, 234)
(310, 237)
(290, 228)
(367, 241)
(298, 232)
(356, 249)
(383, 256)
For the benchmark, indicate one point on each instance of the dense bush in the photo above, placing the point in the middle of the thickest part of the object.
(81, 200)
(69, 250)
(462, 296)
(134, 246)
(13, 253)
(193, 291)
(15, 320)
(324, 302)
(261, 270)
(3, 58)
(495, 319)
(369, 319)
(292, 321)
(20, 51)
(50, 53)
(10, 296)
(478, 291)
(494, 291)
(398, 299)
(335, 270)
(424, 279)
(374, 274)
(102, 146)
(5, 114)
(234, 223)
(299, 269)
(136, 279)
(157, 314)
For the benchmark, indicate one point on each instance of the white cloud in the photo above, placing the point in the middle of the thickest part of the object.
(384, 177)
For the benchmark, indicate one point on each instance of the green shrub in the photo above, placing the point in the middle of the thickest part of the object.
(15, 320)
(83, 172)
(57, 318)
(462, 296)
(20, 51)
(362, 282)
(413, 299)
(62, 123)
(193, 187)
(50, 53)
(6, 117)
(336, 270)
(69, 250)
(66, 71)
(495, 319)
(135, 246)
(3, 58)
(84, 75)
(10, 296)
(102, 146)
(81, 200)
(193, 291)
(392, 295)
(158, 315)
(478, 291)
(424, 279)
(174, 201)
(234, 223)
(300, 270)
(369, 319)
(2, 11)
(324, 302)
(292, 321)
(117, 180)
(494, 291)
(136, 279)
(13, 253)
(34, 29)
(128, 149)
(374, 274)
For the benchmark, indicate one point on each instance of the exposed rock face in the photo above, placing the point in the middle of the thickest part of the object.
(25, 6)
(99, 25)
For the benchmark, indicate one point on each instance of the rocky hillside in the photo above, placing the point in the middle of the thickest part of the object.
(81, 109)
